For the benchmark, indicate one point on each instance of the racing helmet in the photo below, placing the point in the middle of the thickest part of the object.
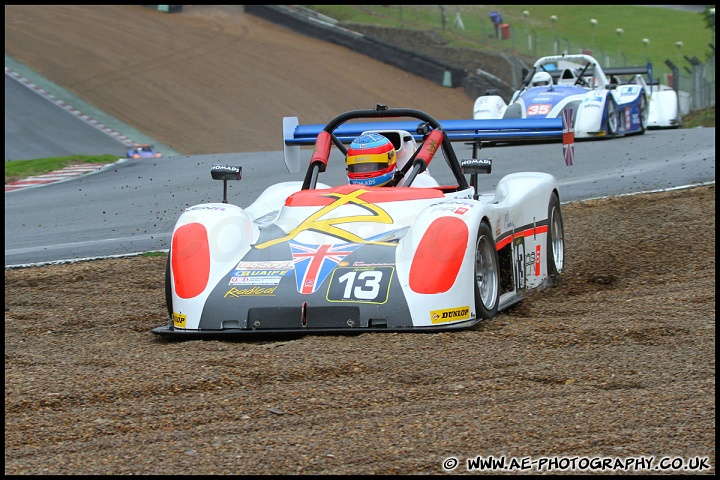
(541, 79)
(371, 160)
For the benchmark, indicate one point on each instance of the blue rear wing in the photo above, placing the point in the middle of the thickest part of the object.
(456, 130)
(504, 130)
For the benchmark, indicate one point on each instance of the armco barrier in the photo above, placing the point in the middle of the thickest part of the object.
(433, 69)
(166, 8)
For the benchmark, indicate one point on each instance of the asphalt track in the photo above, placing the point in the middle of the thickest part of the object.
(57, 131)
(44, 120)
(131, 206)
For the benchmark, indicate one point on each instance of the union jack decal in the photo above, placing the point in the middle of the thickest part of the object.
(568, 137)
(313, 263)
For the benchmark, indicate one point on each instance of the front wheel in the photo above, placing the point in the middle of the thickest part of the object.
(612, 121)
(487, 276)
(168, 289)
(555, 240)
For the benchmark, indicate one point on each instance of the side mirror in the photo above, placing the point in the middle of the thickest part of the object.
(474, 167)
(225, 173)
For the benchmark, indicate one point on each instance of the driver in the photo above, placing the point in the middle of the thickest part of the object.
(540, 79)
(373, 161)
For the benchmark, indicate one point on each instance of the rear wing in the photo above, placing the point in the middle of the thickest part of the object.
(636, 70)
(586, 71)
(504, 130)
(633, 70)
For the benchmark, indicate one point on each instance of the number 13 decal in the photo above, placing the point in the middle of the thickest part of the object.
(360, 285)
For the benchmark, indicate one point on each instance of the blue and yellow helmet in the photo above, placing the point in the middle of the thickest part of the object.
(371, 160)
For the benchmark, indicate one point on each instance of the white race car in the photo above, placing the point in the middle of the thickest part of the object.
(307, 257)
(664, 107)
(606, 102)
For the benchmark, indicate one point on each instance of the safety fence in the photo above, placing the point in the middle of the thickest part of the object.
(507, 48)
(696, 84)
(692, 78)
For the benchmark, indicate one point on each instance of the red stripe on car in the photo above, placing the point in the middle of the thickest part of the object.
(439, 256)
(190, 260)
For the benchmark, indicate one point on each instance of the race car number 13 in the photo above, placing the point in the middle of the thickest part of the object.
(350, 284)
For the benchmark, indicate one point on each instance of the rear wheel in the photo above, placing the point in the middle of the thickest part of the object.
(555, 240)
(612, 121)
(487, 277)
(643, 113)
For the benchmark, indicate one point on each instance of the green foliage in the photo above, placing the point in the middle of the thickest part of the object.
(701, 118)
(662, 27)
(155, 254)
(708, 16)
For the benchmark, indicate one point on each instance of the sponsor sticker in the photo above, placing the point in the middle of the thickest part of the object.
(179, 320)
(251, 276)
(509, 224)
(251, 292)
(254, 280)
(523, 261)
(360, 263)
(450, 315)
(260, 273)
(266, 265)
(458, 206)
(627, 118)
(203, 207)
(627, 91)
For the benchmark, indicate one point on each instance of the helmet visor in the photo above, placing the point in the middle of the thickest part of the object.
(369, 167)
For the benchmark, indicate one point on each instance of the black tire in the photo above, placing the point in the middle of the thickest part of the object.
(612, 120)
(644, 112)
(168, 289)
(487, 274)
(555, 240)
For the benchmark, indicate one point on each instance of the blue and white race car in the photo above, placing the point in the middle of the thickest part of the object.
(142, 150)
(605, 102)
(307, 257)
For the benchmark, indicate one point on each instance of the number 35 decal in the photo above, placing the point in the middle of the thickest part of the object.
(539, 109)
(368, 285)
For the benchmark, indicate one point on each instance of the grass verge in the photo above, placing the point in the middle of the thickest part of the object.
(19, 169)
